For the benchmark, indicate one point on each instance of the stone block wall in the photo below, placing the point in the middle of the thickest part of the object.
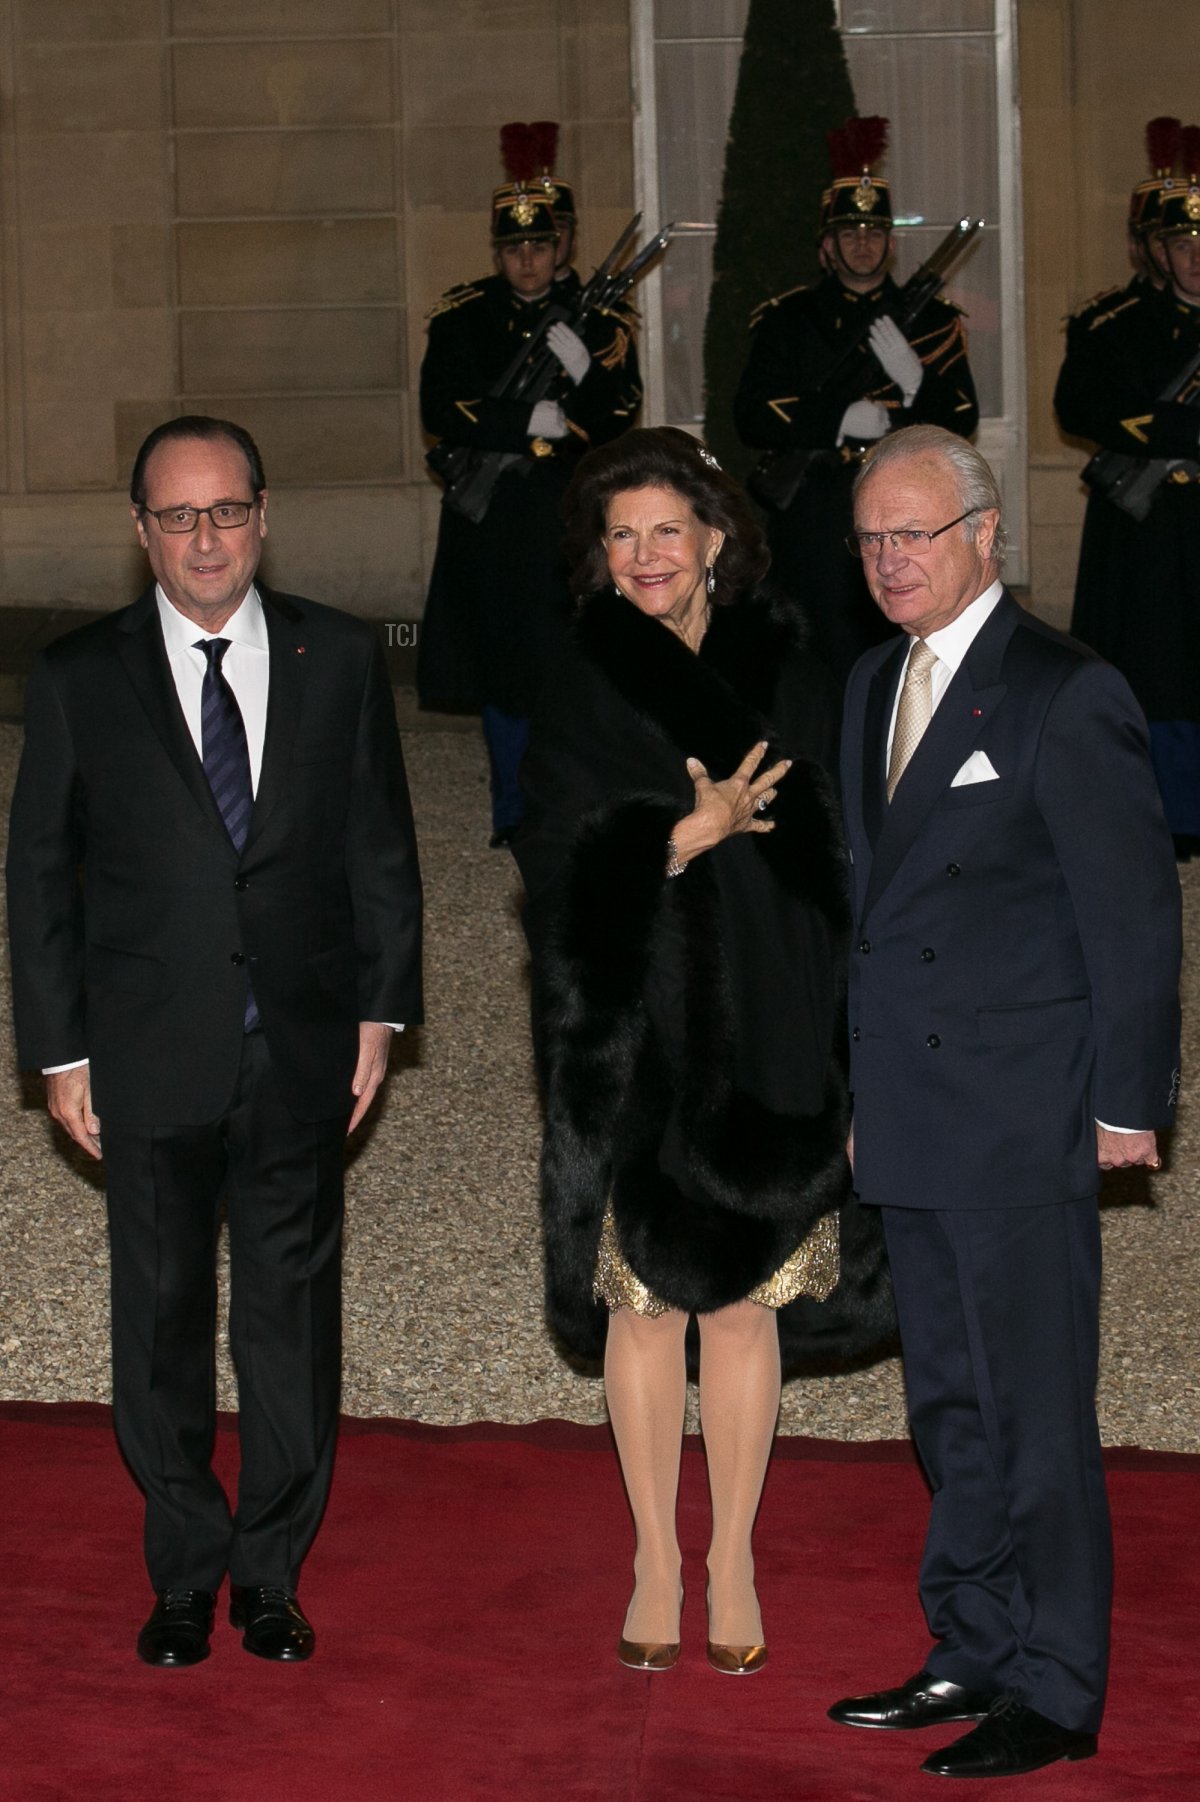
(247, 207)
(1092, 72)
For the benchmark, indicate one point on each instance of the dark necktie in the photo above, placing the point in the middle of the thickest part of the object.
(226, 760)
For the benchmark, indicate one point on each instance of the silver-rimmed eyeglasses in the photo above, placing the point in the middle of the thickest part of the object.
(225, 515)
(912, 542)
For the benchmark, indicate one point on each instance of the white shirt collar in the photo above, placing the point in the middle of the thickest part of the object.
(951, 643)
(248, 626)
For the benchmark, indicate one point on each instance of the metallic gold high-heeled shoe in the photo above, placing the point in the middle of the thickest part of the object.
(736, 1661)
(649, 1655)
(642, 1655)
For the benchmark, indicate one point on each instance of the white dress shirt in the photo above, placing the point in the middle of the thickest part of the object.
(949, 645)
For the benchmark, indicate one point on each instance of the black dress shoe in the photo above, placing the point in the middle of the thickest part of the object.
(924, 1701)
(178, 1629)
(502, 838)
(272, 1622)
(1011, 1738)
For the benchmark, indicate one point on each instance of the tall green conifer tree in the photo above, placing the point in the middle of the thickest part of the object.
(793, 85)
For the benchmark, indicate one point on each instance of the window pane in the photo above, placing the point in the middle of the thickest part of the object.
(974, 286)
(686, 276)
(696, 85)
(936, 92)
(700, 18)
(918, 15)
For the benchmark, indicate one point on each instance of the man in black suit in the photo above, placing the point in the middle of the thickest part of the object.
(1014, 1029)
(215, 913)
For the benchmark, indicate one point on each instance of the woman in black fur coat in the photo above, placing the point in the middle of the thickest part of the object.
(686, 913)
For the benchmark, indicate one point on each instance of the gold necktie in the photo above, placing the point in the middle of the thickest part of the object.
(914, 712)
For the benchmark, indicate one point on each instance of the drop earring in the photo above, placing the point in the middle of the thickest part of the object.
(711, 583)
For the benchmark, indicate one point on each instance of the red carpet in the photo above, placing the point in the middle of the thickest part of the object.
(467, 1590)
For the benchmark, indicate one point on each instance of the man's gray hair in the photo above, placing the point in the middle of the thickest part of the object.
(978, 490)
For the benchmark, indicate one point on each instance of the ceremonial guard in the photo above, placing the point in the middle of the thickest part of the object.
(1147, 257)
(783, 404)
(1137, 592)
(497, 603)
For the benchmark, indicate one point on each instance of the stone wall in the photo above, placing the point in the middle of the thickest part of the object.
(247, 207)
(1092, 73)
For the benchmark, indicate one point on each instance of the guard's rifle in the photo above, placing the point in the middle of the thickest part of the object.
(779, 475)
(1131, 483)
(470, 474)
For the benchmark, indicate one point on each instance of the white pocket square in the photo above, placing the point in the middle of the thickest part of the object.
(977, 768)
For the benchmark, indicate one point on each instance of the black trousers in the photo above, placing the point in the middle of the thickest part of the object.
(284, 1179)
(999, 1324)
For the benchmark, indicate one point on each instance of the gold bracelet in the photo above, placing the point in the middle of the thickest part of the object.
(674, 867)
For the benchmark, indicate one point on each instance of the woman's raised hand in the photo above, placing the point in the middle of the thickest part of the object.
(735, 804)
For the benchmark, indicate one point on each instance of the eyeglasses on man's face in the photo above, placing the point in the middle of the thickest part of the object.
(225, 515)
(911, 542)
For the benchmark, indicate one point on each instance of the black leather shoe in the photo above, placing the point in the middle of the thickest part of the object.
(272, 1622)
(1011, 1738)
(502, 838)
(178, 1629)
(924, 1701)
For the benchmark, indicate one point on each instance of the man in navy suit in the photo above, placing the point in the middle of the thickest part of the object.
(215, 913)
(1014, 1029)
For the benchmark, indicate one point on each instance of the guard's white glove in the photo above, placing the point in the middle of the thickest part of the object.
(570, 350)
(897, 356)
(864, 420)
(548, 420)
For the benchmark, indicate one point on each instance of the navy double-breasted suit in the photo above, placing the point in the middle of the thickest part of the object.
(1014, 979)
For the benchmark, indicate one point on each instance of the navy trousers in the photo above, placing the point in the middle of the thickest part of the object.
(506, 736)
(999, 1323)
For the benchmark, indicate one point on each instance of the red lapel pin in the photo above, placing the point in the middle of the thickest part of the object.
(977, 713)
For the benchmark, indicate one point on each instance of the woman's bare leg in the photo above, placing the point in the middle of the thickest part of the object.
(739, 1406)
(645, 1386)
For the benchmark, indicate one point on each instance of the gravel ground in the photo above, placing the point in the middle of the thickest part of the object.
(443, 1284)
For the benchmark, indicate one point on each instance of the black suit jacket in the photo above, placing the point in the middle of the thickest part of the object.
(134, 922)
(1015, 956)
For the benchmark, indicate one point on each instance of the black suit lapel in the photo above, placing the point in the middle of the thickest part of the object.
(880, 698)
(144, 657)
(285, 693)
(965, 708)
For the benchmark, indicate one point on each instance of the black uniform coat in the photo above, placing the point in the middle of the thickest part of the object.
(497, 607)
(795, 341)
(134, 921)
(1015, 962)
(1137, 594)
(687, 1027)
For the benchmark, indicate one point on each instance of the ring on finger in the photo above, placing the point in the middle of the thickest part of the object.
(760, 806)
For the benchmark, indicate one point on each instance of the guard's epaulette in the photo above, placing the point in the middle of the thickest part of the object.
(455, 297)
(624, 312)
(1104, 306)
(1097, 300)
(774, 301)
